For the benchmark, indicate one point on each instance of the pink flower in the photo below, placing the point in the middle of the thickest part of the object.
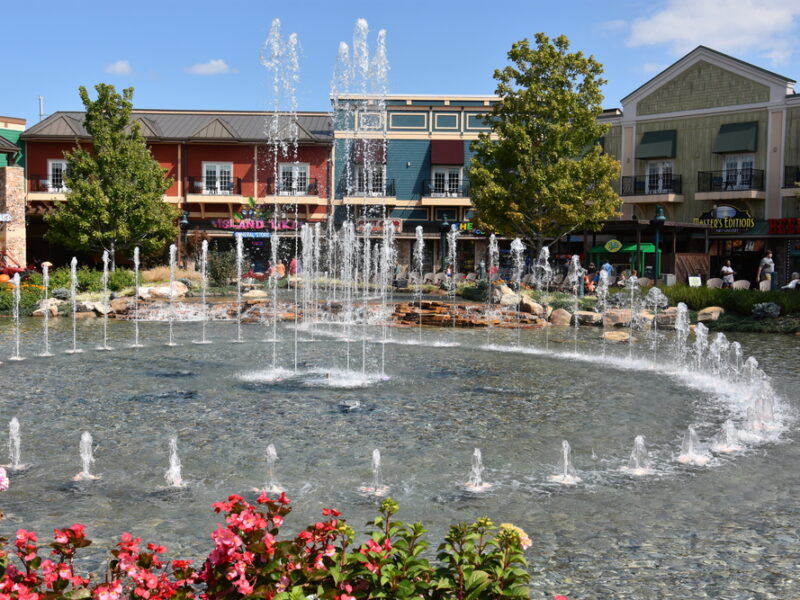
(558, 597)
(3, 480)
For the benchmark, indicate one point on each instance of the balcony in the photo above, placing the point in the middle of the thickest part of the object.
(735, 180)
(642, 189)
(371, 194)
(43, 185)
(791, 176)
(212, 187)
(292, 187)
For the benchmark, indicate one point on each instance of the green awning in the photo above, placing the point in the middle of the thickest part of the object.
(644, 248)
(736, 137)
(657, 144)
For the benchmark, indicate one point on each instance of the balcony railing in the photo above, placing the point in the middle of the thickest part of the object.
(293, 187)
(41, 183)
(231, 187)
(377, 189)
(434, 188)
(791, 175)
(643, 185)
(730, 180)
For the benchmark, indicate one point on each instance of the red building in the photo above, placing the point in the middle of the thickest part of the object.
(218, 161)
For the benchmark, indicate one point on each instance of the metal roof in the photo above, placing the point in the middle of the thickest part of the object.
(194, 126)
(8, 147)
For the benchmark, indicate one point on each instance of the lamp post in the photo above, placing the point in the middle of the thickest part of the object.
(444, 228)
(658, 223)
(184, 225)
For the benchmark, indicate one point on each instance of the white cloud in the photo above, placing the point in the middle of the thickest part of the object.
(121, 67)
(215, 66)
(653, 67)
(613, 26)
(766, 27)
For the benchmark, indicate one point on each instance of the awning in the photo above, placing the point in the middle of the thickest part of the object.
(644, 248)
(657, 144)
(447, 152)
(375, 150)
(736, 137)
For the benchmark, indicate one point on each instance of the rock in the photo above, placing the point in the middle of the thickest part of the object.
(560, 317)
(255, 295)
(617, 317)
(102, 308)
(529, 306)
(764, 310)
(509, 299)
(49, 307)
(86, 315)
(121, 305)
(617, 336)
(587, 317)
(163, 291)
(710, 313)
(61, 293)
(501, 290)
(666, 318)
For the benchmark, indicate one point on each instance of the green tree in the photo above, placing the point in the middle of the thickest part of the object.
(542, 174)
(115, 189)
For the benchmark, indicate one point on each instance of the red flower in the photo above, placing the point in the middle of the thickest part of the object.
(326, 512)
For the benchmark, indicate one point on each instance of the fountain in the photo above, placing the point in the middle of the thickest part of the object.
(16, 296)
(452, 265)
(105, 303)
(377, 488)
(575, 280)
(136, 343)
(73, 292)
(203, 292)
(173, 474)
(692, 451)
(419, 261)
(728, 440)
(656, 299)
(518, 262)
(14, 442)
(601, 291)
(87, 458)
(46, 312)
(239, 262)
(567, 474)
(476, 482)
(271, 486)
(638, 464)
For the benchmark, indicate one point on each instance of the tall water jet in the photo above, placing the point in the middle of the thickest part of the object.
(419, 263)
(173, 474)
(518, 266)
(601, 291)
(638, 463)
(274, 243)
(173, 254)
(681, 332)
(728, 439)
(476, 482)
(271, 486)
(136, 266)
(87, 458)
(377, 488)
(106, 301)
(543, 275)
(452, 265)
(14, 443)
(239, 262)
(567, 474)
(203, 292)
(366, 248)
(632, 285)
(491, 273)
(692, 451)
(655, 299)
(575, 280)
(388, 258)
(700, 345)
(73, 292)
(16, 298)
(46, 314)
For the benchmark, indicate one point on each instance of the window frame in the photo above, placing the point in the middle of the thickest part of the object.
(447, 191)
(296, 169)
(661, 180)
(50, 187)
(217, 190)
(363, 181)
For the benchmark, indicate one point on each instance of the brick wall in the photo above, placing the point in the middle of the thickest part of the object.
(12, 201)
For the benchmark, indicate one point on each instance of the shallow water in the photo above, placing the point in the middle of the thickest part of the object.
(729, 530)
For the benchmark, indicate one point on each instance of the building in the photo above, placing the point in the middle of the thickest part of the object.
(226, 176)
(12, 193)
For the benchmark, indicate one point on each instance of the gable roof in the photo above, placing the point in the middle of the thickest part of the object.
(187, 125)
(8, 147)
(714, 56)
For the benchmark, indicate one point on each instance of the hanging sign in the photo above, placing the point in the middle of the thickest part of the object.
(726, 219)
(376, 225)
(613, 245)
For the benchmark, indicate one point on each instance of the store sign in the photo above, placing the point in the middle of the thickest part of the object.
(726, 219)
(257, 224)
(613, 245)
(469, 227)
(251, 234)
(784, 226)
(377, 225)
(5, 218)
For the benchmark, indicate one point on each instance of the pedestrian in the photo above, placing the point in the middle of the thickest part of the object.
(794, 284)
(727, 273)
(766, 270)
(293, 266)
(608, 268)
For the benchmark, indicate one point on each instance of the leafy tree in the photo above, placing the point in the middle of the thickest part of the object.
(115, 189)
(543, 174)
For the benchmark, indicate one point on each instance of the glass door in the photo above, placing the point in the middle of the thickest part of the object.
(659, 177)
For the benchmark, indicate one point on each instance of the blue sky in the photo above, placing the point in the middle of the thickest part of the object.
(204, 55)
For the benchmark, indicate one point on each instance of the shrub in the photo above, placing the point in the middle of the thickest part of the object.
(764, 310)
(221, 267)
(478, 560)
(159, 274)
(89, 280)
(30, 296)
(739, 302)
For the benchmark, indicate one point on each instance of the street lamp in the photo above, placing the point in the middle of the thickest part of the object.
(444, 228)
(658, 223)
(184, 225)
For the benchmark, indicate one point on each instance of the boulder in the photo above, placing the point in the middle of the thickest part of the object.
(560, 317)
(122, 305)
(617, 336)
(498, 291)
(710, 313)
(617, 317)
(86, 315)
(101, 308)
(529, 306)
(47, 306)
(257, 295)
(666, 318)
(163, 291)
(509, 299)
(587, 317)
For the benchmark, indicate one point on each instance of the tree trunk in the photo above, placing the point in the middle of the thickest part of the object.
(113, 255)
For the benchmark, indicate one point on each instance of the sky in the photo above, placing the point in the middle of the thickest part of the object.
(205, 55)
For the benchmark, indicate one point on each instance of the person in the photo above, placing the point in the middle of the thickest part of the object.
(794, 284)
(280, 270)
(727, 273)
(766, 270)
(293, 266)
(608, 268)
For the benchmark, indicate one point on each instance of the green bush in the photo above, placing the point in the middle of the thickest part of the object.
(221, 267)
(739, 302)
(30, 296)
(89, 280)
(472, 291)
(120, 279)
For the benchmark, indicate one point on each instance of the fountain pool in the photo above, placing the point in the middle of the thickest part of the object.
(726, 529)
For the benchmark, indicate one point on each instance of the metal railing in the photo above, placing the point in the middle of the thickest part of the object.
(41, 183)
(434, 188)
(376, 189)
(198, 185)
(732, 180)
(791, 175)
(293, 187)
(643, 185)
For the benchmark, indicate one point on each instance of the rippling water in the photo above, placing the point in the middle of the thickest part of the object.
(729, 530)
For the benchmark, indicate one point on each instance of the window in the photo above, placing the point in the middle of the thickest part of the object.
(293, 180)
(451, 214)
(446, 182)
(659, 177)
(738, 171)
(56, 170)
(370, 181)
(218, 178)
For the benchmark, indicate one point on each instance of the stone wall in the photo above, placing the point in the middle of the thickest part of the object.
(12, 201)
